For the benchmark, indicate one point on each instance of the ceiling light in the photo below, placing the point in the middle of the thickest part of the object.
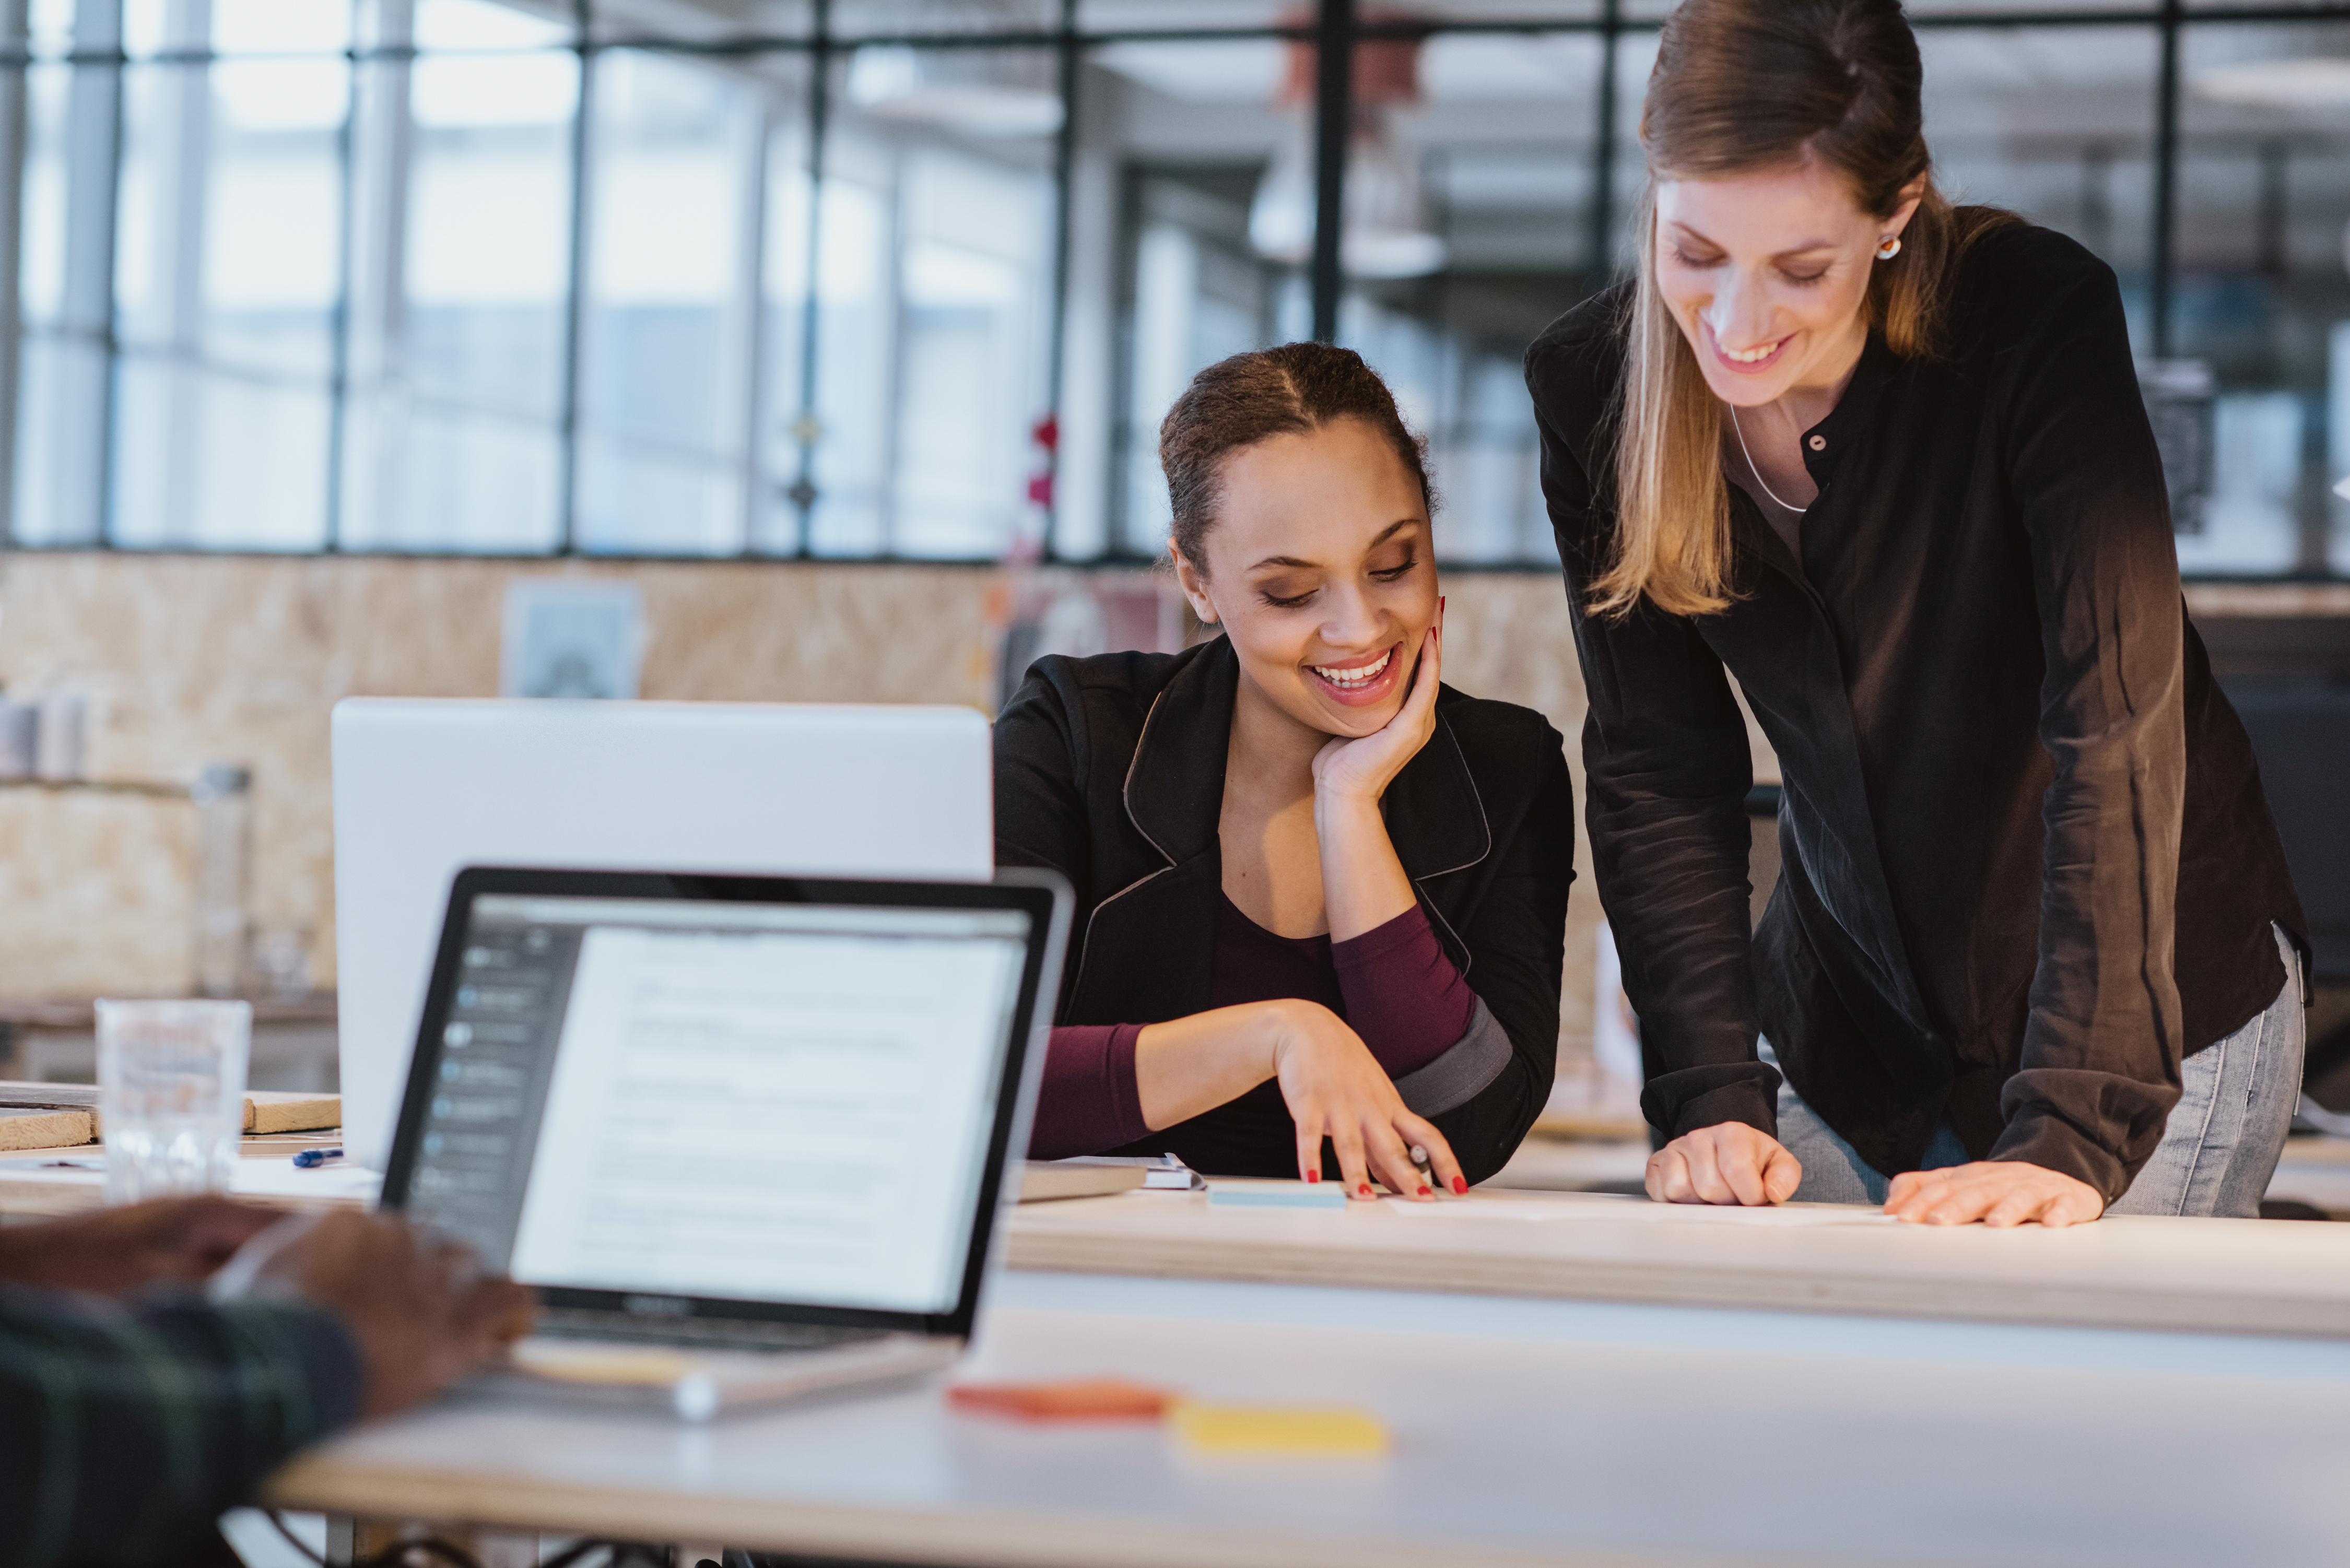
(2278, 84)
(981, 92)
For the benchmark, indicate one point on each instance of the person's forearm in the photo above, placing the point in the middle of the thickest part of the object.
(1188, 1065)
(134, 1428)
(1363, 883)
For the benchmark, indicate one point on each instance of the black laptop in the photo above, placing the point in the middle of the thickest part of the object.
(744, 1134)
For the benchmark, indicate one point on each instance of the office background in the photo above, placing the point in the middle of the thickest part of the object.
(843, 330)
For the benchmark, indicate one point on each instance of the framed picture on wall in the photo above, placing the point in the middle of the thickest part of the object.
(572, 639)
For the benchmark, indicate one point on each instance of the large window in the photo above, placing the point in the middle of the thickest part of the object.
(869, 279)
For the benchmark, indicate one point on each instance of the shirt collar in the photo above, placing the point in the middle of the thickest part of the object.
(1825, 441)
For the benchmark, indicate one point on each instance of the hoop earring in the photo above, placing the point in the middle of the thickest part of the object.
(1890, 249)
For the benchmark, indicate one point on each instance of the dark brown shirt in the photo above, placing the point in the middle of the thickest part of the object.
(2028, 865)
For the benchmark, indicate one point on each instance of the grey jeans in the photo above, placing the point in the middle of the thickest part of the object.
(2217, 1151)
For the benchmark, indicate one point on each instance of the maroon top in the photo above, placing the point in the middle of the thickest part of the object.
(1393, 983)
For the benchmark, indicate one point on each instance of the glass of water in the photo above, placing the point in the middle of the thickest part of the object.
(171, 1078)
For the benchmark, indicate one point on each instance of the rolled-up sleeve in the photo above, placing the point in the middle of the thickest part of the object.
(1404, 996)
(1090, 1099)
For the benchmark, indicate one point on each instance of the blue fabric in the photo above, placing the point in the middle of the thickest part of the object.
(2218, 1151)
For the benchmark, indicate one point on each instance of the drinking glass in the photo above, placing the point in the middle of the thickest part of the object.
(171, 1078)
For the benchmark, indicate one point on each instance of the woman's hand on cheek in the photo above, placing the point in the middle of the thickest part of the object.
(1995, 1191)
(1336, 1088)
(1362, 768)
(1729, 1163)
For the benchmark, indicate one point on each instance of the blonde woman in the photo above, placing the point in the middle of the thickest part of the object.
(2034, 955)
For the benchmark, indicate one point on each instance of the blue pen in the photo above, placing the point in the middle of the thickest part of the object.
(312, 1158)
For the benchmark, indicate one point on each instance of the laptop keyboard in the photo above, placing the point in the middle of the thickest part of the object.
(714, 1333)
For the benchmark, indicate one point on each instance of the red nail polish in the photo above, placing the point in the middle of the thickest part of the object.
(1461, 1187)
(1313, 1176)
(1424, 1192)
(1365, 1190)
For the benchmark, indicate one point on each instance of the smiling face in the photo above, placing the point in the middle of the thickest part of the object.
(1319, 567)
(1766, 274)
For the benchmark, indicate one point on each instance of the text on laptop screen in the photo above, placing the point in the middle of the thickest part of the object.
(782, 1103)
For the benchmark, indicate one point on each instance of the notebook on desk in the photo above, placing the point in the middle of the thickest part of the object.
(744, 1135)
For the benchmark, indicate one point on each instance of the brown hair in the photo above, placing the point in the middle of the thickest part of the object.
(1740, 84)
(1294, 389)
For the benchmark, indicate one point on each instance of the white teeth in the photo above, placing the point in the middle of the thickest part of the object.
(1359, 677)
(1749, 356)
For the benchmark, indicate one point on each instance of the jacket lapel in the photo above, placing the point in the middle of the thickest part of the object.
(1175, 785)
(1149, 948)
(1436, 820)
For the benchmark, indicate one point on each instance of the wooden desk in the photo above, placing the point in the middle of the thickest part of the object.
(1527, 1432)
(2229, 1276)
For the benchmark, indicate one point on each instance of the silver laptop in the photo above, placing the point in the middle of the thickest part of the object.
(746, 1135)
(423, 788)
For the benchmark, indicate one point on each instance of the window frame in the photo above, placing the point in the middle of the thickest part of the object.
(378, 131)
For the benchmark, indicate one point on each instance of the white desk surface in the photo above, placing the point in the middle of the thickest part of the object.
(2313, 1169)
(1526, 1432)
(38, 1183)
(2239, 1276)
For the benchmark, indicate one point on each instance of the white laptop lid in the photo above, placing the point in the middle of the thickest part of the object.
(423, 787)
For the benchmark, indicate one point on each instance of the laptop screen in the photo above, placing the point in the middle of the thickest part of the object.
(784, 1102)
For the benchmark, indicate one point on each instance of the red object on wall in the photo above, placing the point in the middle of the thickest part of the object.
(1387, 70)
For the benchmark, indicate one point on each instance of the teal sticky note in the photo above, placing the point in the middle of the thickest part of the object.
(1281, 1195)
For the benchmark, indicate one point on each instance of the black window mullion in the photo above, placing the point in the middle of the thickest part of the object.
(575, 286)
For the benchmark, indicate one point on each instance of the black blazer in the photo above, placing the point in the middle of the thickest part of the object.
(2027, 864)
(1112, 772)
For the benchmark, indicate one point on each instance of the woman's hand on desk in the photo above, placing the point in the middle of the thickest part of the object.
(1332, 1083)
(1995, 1191)
(1730, 1163)
(1336, 1088)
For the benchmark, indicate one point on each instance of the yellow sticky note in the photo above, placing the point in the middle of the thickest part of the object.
(1286, 1429)
(597, 1364)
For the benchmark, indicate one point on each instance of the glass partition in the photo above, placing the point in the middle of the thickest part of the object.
(2262, 306)
(462, 242)
(667, 328)
(456, 276)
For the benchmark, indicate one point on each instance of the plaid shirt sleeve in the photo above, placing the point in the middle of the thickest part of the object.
(126, 1429)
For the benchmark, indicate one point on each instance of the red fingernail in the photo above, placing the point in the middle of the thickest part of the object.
(1365, 1189)
(1424, 1192)
(1313, 1176)
(1461, 1187)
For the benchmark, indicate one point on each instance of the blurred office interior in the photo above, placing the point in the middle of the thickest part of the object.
(841, 332)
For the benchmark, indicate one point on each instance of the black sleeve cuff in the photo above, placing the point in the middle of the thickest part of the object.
(2041, 1138)
(1692, 1098)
